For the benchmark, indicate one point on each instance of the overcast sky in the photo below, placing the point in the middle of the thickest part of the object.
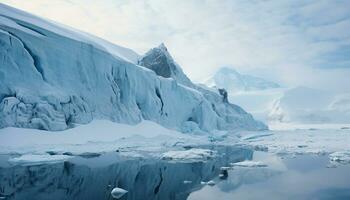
(295, 42)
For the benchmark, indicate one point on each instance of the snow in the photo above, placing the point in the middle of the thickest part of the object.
(211, 183)
(307, 105)
(10, 15)
(340, 156)
(53, 77)
(96, 131)
(235, 82)
(40, 159)
(334, 142)
(96, 137)
(118, 192)
(305, 126)
(249, 163)
(295, 105)
(191, 154)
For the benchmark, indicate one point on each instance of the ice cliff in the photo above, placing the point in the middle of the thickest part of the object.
(52, 77)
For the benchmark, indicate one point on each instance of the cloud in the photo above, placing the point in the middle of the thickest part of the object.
(294, 42)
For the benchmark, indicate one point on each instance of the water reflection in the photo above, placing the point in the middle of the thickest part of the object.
(94, 178)
(304, 177)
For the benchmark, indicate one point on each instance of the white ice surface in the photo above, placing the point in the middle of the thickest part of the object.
(97, 137)
(340, 156)
(249, 163)
(60, 29)
(235, 82)
(191, 154)
(118, 192)
(302, 141)
(38, 158)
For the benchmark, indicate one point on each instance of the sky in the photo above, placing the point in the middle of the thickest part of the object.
(292, 42)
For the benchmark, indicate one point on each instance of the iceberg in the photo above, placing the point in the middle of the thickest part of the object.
(53, 77)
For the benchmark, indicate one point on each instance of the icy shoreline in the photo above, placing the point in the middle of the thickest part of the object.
(288, 143)
(149, 139)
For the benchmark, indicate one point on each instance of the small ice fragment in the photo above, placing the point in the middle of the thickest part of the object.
(191, 154)
(211, 183)
(203, 183)
(118, 192)
(340, 157)
(331, 165)
(225, 168)
(187, 182)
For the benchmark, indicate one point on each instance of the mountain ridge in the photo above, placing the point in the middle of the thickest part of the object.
(233, 81)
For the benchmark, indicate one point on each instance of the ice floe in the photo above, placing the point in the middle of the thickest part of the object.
(118, 192)
(191, 154)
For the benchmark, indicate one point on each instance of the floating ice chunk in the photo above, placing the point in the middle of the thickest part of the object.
(211, 183)
(225, 168)
(340, 157)
(249, 163)
(187, 182)
(42, 158)
(191, 154)
(118, 192)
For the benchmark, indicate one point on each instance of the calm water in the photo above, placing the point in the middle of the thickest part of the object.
(303, 177)
(94, 178)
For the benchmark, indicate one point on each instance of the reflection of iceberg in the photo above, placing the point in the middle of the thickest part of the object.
(241, 176)
(262, 167)
(95, 178)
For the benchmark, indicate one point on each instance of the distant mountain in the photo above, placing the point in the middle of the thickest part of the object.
(53, 77)
(233, 81)
(308, 105)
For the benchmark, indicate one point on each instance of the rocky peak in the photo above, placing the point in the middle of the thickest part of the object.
(160, 61)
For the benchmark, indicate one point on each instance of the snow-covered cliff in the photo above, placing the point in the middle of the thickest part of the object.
(52, 77)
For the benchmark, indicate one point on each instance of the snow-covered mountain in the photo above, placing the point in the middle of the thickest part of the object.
(307, 105)
(52, 77)
(272, 104)
(233, 81)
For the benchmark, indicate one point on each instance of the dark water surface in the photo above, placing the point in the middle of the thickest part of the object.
(303, 177)
(94, 178)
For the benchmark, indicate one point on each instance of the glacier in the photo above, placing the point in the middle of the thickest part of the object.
(53, 77)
